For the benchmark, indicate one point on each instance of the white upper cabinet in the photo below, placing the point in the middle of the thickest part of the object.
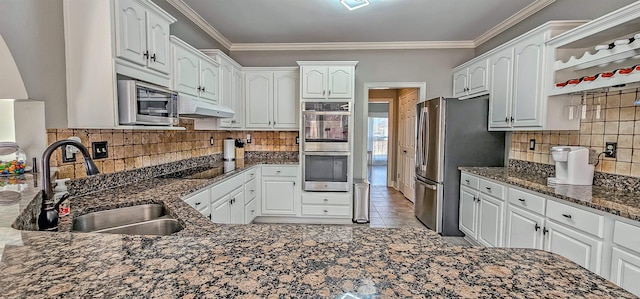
(193, 72)
(142, 35)
(271, 98)
(501, 67)
(230, 88)
(471, 80)
(527, 79)
(327, 79)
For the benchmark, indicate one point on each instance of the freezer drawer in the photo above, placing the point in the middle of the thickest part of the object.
(428, 204)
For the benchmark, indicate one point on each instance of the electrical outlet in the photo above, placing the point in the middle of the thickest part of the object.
(297, 140)
(610, 149)
(532, 144)
(100, 150)
(67, 157)
(211, 140)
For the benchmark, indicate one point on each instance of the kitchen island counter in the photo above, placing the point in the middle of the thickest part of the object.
(270, 260)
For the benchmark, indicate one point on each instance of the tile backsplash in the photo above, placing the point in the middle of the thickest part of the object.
(131, 149)
(609, 117)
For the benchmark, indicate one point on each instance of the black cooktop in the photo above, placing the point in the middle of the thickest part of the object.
(201, 172)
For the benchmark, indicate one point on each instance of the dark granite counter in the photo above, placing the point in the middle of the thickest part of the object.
(208, 260)
(617, 202)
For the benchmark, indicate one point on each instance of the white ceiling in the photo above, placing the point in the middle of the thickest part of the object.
(327, 21)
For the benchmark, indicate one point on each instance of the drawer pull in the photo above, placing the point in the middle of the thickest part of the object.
(252, 211)
(467, 182)
(198, 203)
(567, 216)
(537, 227)
(488, 189)
(278, 171)
(474, 198)
(326, 211)
(545, 231)
(253, 191)
(325, 199)
(521, 199)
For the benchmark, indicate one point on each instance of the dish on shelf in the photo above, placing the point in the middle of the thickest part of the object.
(603, 75)
(616, 51)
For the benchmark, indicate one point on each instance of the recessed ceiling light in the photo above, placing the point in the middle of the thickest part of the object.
(354, 4)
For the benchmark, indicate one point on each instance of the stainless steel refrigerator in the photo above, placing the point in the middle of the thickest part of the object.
(450, 133)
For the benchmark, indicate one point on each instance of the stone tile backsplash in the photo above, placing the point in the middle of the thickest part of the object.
(609, 117)
(132, 149)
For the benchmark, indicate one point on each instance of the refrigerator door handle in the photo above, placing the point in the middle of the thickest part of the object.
(419, 145)
(425, 138)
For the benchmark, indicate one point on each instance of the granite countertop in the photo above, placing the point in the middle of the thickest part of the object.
(207, 260)
(617, 202)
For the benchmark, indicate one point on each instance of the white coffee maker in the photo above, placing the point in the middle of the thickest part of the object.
(572, 166)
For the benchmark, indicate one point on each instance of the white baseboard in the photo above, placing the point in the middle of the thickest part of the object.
(306, 220)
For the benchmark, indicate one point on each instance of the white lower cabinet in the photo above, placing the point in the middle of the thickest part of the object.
(220, 211)
(469, 212)
(625, 270)
(584, 250)
(250, 211)
(490, 219)
(523, 229)
(279, 190)
(201, 201)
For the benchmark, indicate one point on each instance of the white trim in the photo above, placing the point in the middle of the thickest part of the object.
(192, 15)
(512, 21)
(408, 45)
(422, 86)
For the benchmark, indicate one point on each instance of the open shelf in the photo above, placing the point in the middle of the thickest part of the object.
(596, 84)
(601, 58)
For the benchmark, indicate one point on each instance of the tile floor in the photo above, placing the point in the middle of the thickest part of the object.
(390, 209)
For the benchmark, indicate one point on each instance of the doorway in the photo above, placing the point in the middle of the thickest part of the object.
(378, 143)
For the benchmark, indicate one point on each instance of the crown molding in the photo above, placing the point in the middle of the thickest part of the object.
(192, 15)
(512, 20)
(352, 46)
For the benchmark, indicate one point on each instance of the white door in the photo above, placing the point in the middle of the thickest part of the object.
(584, 250)
(209, 80)
(278, 196)
(314, 82)
(131, 31)
(226, 92)
(186, 73)
(237, 206)
(501, 68)
(478, 77)
(625, 270)
(340, 84)
(285, 100)
(523, 229)
(527, 78)
(220, 211)
(237, 97)
(259, 98)
(158, 42)
(490, 216)
(460, 83)
(468, 211)
(407, 103)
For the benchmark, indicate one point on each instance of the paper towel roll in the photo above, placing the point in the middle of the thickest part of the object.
(229, 150)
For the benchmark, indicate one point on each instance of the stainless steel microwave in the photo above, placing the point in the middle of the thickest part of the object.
(141, 103)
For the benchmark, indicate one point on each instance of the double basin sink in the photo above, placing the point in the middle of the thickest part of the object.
(149, 219)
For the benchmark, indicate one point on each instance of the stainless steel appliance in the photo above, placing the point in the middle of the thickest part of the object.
(361, 201)
(326, 171)
(326, 126)
(450, 133)
(141, 103)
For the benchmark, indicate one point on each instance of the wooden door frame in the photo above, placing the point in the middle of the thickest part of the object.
(422, 95)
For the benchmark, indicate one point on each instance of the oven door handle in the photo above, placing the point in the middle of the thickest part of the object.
(326, 113)
(326, 153)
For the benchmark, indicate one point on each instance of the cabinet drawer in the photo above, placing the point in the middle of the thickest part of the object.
(526, 201)
(250, 211)
(469, 181)
(627, 235)
(314, 210)
(200, 200)
(250, 190)
(227, 186)
(326, 199)
(577, 218)
(280, 170)
(250, 174)
(491, 188)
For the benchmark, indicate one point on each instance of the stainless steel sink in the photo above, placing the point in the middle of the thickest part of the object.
(150, 219)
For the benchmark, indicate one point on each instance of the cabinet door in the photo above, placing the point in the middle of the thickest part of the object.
(625, 270)
(460, 83)
(478, 81)
(278, 196)
(237, 206)
(523, 229)
(237, 98)
(209, 80)
(250, 211)
(185, 71)
(158, 42)
(584, 250)
(285, 100)
(220, 211)
(340, 84)
(527, 83)
(490, 219)
(131, 31)
(468, 212)
(259, 99)
(501, 68)
(314, 82)
(226, 92)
